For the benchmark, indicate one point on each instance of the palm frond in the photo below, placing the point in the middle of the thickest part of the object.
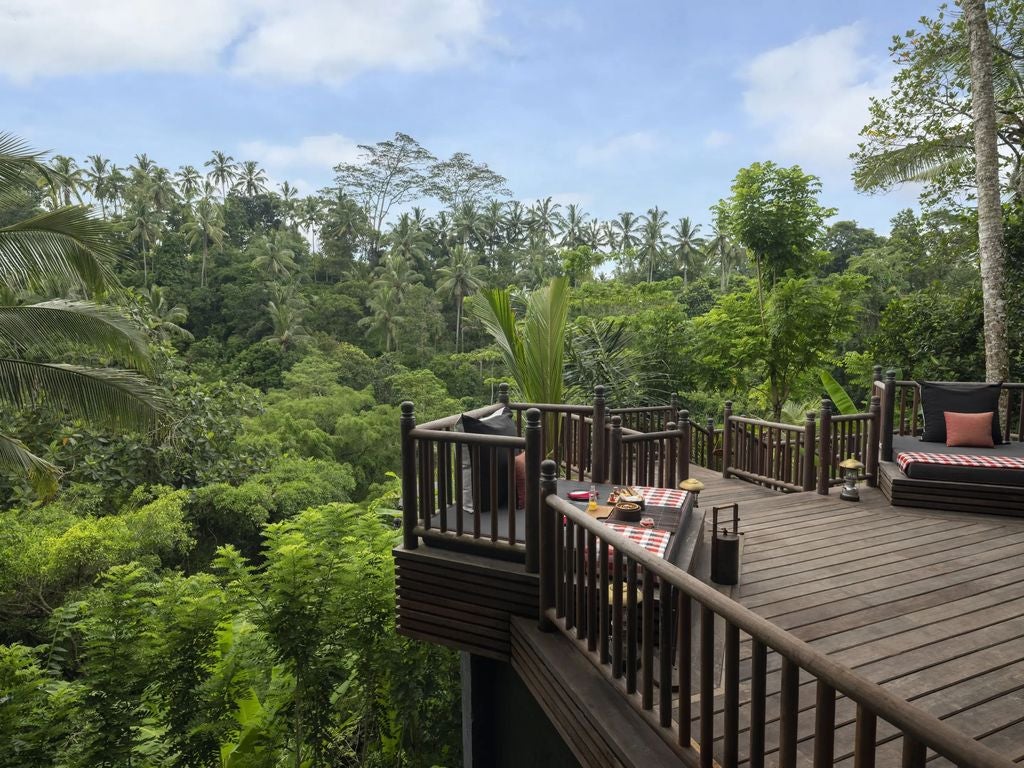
(115, 397)
(544, 340)
(61, 325)
(20, 166)
(493, 308)
(67, 242)
(921, 161)
(16, 459)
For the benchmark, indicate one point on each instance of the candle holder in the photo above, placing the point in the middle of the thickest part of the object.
(851, 473)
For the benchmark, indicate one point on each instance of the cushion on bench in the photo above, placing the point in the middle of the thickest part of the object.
(989, 469)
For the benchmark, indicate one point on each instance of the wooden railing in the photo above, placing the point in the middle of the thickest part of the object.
(902, 415)
(653, 459)
(622, 607)
(706, 445)
(804, 457)
(650, 418)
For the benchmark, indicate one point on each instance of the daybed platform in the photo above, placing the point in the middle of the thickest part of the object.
(993, 490)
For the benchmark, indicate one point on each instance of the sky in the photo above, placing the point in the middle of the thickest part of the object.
(613, 105)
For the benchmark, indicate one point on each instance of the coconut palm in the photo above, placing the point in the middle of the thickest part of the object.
(69, 244)
(407, 241)
(624, 226)
(286, 329)
(385, 319)
(397, 274)
(65, 182)
(223, 170)
(96, 175)
(573, 226)
(205, 226)
(144, 233)
(117, 184)
(458, 279)
(190, 182)
(163, 319)
(251, 180)
(653, 239)
(275, 255)
(469, 226)
(686, 247)
(160, 190)
(516, 219)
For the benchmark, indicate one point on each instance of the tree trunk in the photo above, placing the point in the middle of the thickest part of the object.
(991, 250)
(458, 322)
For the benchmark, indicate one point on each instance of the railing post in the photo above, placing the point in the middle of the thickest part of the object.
(809, 447)
(615, 448)
(726, 438)
(548, 521)
(709, 457)
(876, 375)
(673, 459)
(888, 410)
(871, 469)
(683, 469)
(408, 423)
(503, 393)
(825, 447)
(534, 454)
(673, 405)
(598, 460)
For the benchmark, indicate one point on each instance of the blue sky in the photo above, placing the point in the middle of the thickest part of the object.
(615, 105)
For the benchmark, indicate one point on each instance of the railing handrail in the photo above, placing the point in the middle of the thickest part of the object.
(640, 409)
(913, 382)
(841, 417)
(637, 437)
(553, 408)
(443, 436)
(762, 423)
(926, 728)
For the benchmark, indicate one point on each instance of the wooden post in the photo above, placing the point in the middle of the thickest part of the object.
(598, 459)
(808, 457)
(615, 447)
(683, 470)
(673, 459)
(888, 409)
(876, 374)
(534, 454)
(503, 393)
(709, 457)
(871, 462)
(673, 405)
(726, 439)
(825, 446)
(408, 423)
(548, 521)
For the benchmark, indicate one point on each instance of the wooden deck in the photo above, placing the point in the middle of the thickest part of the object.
(929, 604)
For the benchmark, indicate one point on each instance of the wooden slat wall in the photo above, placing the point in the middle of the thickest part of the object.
(596, 721)
(462, 601)
(902, 491)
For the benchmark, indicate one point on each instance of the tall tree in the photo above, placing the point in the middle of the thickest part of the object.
(97, 174)
(990, 214)
(251, 180)
(223, 171)
(387, 174)
(458, 279)
(686, 247)
(460, 180)
(205, 226)
(653, 239)
(145, 231)
(190, 182)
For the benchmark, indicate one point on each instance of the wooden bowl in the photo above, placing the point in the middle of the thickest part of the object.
(627, 511)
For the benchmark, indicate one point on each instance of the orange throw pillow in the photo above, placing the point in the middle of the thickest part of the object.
(972, 430)
(521, 480)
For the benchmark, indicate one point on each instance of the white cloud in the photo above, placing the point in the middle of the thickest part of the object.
(299, 40)
(625, 145)
(717, 138)
(311, 152)
(812, 95)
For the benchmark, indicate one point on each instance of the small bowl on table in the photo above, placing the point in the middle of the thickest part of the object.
(627, 511)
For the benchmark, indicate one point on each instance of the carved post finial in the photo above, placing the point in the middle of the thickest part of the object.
(503, 393)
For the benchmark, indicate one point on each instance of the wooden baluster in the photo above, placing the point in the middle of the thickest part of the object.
(460, 491)
(593, 628)
(789, 712)
(807, 471)
(598, 446)
(602, 619)
(426, 490)
(684, 653)
(617, 589)
(492, 453)
(915, 406)
(560, 564)
(914, 752)
(647, 656)
(477, 505)
(581, 446)
(726, 439)
(580, 592)
(864, 740)
(825, 447)
(758, 697)
(513, 500)
(631, 622)
(731, 727)
(885, 427)
(707, 687)
(615, 451)
(665, 653)
(547, 541)
(443, 477)
(570, 576)
(406, 424)
(824, 725)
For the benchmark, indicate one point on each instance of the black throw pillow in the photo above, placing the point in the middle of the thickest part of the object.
(938, 397)
(498, 423)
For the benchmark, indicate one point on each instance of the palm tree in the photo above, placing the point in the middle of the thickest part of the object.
(204, 226)
(595, 235)
(223, 170)
(117, 183)
(190, 182)
(624, 227)
(96, 175)
(69, 244)
(723, 253)
(398, 275)
(573, 227)
(468, 226)
(160, 189)
(533, 348)
(653, 238)
(65, 181)
(543, 220)
(459, 278)
(686, 246)
(385, 319)
(144, 232)
(161, 318)
(275, 255)
(251, 180)
(407, 241)
(289, 201)
(515, 224)
(286, 325)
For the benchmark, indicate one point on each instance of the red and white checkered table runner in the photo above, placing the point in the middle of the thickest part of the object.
(661, 497)
(651, 539)
(956, 460)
